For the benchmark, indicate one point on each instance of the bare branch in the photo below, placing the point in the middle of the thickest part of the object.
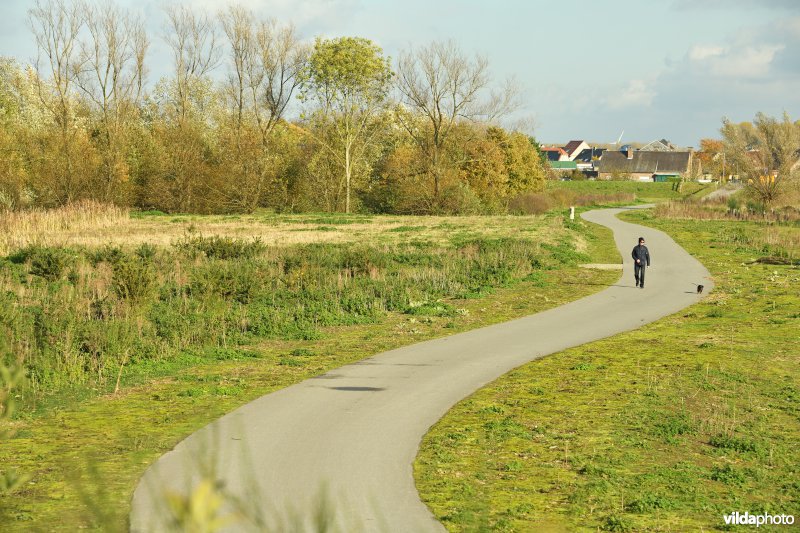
(193, 40)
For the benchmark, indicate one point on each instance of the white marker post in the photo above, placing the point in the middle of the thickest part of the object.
(572, 213)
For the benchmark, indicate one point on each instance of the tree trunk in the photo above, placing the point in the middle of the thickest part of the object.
(347, 172)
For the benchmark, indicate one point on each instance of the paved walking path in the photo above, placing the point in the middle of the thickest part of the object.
(353, 433)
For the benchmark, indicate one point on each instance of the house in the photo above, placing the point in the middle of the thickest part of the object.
(563, 166)
(645, 165)
(573, 148)
(659, 146)
(588, 158)
(554, 153)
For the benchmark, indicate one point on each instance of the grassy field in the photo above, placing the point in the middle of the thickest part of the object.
(665, 428)
(643, 192)
(98, 226)
(132, 345)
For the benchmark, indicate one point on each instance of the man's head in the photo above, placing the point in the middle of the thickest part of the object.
(641, 240)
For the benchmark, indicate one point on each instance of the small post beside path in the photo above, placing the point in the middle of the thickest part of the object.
(572, 213)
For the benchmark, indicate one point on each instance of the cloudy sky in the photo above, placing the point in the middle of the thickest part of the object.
(589, 68)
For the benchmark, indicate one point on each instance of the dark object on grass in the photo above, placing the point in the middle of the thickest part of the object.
(771, 260)
(699, 289)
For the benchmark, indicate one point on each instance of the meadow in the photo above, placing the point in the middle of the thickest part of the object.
(641, 191)
(130, 345)
(665, 428)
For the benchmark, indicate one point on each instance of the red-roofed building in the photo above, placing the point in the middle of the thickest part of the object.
(554, 153)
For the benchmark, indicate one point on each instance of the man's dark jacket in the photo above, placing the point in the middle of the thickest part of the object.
(640, 252)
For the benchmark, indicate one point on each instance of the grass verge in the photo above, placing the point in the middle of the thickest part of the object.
(661, 429)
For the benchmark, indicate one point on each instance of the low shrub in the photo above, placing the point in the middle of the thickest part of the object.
(132, 279)
(46, 262)
(216, 247)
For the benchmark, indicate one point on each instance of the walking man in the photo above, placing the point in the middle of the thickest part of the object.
(641, 260)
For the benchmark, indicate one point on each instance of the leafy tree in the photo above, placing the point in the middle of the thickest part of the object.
(712, 157)
(523, 163)
(766, 154)
(347, 81)
(13, 131)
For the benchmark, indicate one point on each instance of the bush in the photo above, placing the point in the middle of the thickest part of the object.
(45, 262)
(217, 247)
(534, 203)
(107, 254)
(132, 280)
(729, 442)
(238, 281)
(728, 475)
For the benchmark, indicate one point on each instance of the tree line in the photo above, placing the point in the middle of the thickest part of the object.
(417, 134)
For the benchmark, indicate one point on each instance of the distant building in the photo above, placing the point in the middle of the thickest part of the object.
(554, 153)
(563, 166)
(650, 165)
(588, 158)
(573, 148)
(659, 146)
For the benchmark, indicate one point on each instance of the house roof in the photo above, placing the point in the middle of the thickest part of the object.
(572, 146)
(659, 146)
(643, 162)
(554, 153)
(585, 156)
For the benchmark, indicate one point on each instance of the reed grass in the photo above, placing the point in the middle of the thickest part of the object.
(39, 226)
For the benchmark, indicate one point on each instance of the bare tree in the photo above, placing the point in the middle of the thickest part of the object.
(281, 59)
(237, 22)
(56, 26)
(442, 85)
(193, 40)
(266, 61)
(112, 60)
(112, 77)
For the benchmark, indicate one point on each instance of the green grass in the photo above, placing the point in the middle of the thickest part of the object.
(202, 329)
(665, 428)
(645, 192)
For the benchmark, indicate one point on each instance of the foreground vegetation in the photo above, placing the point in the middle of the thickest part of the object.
(664, 428)
(130, 348)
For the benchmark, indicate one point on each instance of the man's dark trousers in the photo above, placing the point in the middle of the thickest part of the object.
(638, 272)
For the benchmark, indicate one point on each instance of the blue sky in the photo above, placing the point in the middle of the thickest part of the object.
(589, 68)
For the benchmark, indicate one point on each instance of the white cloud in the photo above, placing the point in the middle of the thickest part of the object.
(638, 93)
(700, 52)
(743, 60)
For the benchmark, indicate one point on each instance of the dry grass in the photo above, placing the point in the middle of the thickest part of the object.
(779, 236)
(57, 226)
(69, 226)
(719, 210)
(541, 202)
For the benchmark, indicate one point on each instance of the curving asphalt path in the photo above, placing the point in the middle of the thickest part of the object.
(345, 441)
